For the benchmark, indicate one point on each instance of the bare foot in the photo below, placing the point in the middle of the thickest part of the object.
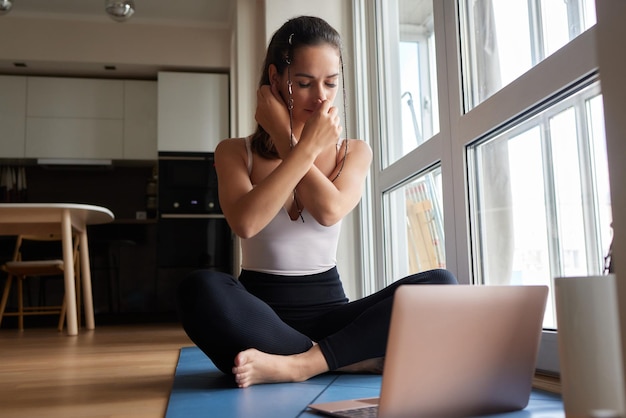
(253, 367)
(373, 365)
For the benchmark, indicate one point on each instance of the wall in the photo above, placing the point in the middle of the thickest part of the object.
(248, 46)
(61, 41)
(122, 189)
(611, 30)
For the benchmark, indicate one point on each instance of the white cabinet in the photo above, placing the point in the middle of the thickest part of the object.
(140, 120)
(193, 111)
(74, 118)
(86, 98)
(74, 138)
(77, 118)
(12, 116)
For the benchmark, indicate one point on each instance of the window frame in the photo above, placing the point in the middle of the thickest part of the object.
(448, 148)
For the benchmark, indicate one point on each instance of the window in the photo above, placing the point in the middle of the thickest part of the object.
(411, 91)
(414, 226)
(541, 207)
(409, 207)
(504, 118)
(503, 39)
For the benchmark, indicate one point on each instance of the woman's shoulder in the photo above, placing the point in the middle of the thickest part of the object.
(231, 142)
(231, 148)
(229, 145)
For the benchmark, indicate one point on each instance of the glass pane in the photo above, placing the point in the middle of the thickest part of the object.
(600, 171)
(417, 95)
(568, 193)
(556, 27)
(505, 38)
(414, 219)
(540, 202)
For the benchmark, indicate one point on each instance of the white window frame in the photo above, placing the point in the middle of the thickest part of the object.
(573, 62)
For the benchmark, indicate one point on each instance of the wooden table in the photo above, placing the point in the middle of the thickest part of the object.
(65, 219)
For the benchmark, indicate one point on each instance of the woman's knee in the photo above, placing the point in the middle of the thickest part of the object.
(435, 276)
(444, 277)
(201, 285)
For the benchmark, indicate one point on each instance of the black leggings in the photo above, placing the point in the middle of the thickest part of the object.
(285, 314)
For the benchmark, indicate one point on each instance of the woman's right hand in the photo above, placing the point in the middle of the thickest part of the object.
(272, 114)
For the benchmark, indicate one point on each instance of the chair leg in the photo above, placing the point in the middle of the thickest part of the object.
(20, 304)
(62, 315)
(77, 278)
(79, 300)
(5, 296)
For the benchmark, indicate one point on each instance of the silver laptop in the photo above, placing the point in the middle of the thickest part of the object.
(455, 351)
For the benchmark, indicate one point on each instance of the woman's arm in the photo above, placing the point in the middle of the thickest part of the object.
(328, 201)
(249, 209)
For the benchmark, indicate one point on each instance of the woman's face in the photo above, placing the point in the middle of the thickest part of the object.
(314, 77)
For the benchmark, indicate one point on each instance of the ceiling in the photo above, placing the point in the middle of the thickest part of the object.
(194, 13)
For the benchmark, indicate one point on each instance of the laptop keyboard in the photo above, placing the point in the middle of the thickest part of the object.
(367, 412)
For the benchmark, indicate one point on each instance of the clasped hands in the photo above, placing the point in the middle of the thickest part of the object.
(321, 129)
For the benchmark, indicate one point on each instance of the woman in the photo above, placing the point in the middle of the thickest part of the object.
(284, 191)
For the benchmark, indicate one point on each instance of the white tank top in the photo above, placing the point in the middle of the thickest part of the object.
(290, 248)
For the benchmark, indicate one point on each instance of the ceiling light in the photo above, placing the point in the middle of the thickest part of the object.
(119, 10)
(5, 6)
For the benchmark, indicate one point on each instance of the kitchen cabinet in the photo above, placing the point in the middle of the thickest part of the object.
(84, 98)
(74, 118)
(193, 111)
(140, 120)
(74, 138)
(12, 116)
(78, 118)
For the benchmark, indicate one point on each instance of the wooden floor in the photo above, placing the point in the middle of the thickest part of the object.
(114, 371)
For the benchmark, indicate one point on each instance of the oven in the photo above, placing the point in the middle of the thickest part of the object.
(187, 183)
(192, 231)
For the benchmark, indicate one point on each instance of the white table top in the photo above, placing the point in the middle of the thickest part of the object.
(43, 212)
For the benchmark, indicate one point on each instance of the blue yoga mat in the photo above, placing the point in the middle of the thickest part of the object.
(201, 390)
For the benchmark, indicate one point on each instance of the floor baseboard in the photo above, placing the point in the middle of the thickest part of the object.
(548, 383)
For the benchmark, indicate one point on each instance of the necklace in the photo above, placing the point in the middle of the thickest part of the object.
(343, 161)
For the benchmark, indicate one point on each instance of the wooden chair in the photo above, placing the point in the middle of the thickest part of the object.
(20, 270)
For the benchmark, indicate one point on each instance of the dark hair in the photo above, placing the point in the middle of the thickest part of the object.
(295, 33)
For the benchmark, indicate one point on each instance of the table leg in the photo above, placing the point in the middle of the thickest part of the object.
(68, 267)
(86, 278)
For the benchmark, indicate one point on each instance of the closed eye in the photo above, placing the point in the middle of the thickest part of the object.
(306, 85)
(331, 80)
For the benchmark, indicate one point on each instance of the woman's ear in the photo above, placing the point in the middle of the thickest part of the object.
(273, 74)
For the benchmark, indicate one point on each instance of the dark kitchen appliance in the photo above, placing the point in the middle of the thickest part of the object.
(192, 231)
(187, 183)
